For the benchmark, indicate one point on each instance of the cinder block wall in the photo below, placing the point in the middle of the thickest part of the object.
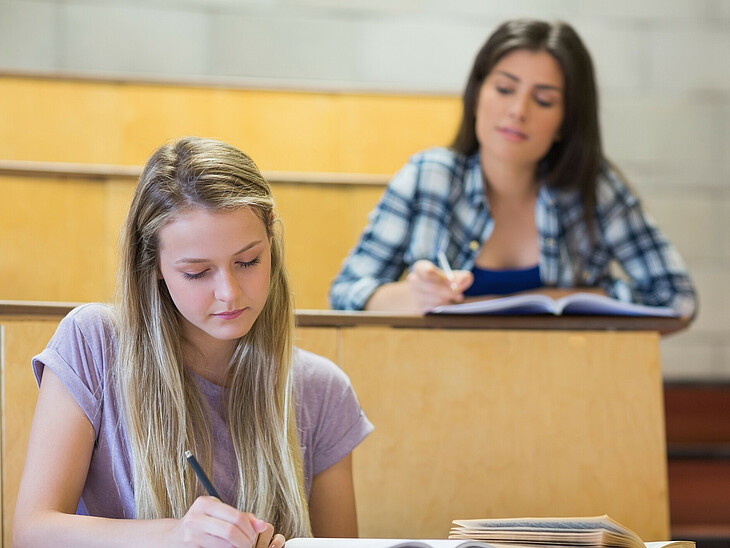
(663, 71)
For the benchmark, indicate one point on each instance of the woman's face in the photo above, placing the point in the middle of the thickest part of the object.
(216, 267)
(520, 108)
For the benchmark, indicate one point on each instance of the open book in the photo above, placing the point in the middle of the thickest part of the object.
(600, 531)
(381, 543)
(536, 303)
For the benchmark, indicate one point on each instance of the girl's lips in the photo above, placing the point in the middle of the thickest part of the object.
(512, 134)
(230, 315)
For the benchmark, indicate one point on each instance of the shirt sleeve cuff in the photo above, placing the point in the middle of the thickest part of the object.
(360, 292)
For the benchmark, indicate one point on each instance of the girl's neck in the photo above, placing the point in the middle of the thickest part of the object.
(209, 361)
(508, 182)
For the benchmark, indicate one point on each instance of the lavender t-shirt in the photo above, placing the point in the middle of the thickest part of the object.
(330, 420)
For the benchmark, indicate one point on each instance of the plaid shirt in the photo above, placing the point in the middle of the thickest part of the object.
(437, 202)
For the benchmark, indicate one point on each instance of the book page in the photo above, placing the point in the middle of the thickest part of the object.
(671, 544)
(528, 303)
(381, 543)
(545, 524)
(601, 305)
(593, 531)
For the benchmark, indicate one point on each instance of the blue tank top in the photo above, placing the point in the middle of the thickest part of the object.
(503, 282)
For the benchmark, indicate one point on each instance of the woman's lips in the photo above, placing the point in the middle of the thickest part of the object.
(229, 315)
(512, 134)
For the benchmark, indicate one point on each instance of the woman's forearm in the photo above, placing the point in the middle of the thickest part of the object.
(51, 528)
(395, 296)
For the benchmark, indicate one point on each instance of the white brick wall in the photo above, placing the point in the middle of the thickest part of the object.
(663, 71)
(18, 20)
(132, 38)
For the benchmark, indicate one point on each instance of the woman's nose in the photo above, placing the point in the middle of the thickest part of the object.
(227, 288)
(519, 106)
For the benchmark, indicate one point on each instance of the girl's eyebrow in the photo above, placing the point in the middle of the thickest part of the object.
(538, 86)
(195, 260)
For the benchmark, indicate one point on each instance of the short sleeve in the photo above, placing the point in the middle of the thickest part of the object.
(77, 356)
(330, 419)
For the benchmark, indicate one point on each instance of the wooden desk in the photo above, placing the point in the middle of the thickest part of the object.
(502, 416)
(474, 416)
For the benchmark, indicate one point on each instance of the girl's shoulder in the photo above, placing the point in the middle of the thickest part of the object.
(326, 403)
(81, 348)
(315, 372)
(91, 325)
(613, 189)
(91, 317)
(443, 159)
(436, 171)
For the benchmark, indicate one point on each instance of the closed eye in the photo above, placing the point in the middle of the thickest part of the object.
(248, 264)
(196, 276)
(543, 102)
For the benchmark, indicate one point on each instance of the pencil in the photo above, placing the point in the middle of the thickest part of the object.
(446, 267)
(201, 475)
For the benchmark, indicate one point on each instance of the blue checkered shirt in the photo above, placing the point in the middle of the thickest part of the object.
(436, 202)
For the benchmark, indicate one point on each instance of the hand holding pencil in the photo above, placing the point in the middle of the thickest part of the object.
(210, 521)
(431, 286)
(446, 267)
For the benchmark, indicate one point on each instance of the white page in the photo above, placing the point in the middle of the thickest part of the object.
(379, 543)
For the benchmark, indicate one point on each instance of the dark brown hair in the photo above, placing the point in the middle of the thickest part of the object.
(575, 160)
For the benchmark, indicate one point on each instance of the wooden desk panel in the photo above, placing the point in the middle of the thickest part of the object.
(19, 342)
(476, 424)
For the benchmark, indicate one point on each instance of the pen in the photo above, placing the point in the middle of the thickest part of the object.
(201, 475)
(444, 264)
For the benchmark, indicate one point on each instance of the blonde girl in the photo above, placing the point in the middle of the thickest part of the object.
(196, 354)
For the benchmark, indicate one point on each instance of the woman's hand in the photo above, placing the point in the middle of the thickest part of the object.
(425, 288)
(211, 523)
(431, 287)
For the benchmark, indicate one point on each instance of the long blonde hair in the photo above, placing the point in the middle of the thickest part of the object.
(164, 411)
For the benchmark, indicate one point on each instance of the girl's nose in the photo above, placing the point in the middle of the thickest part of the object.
(519, 106)
(227, 288)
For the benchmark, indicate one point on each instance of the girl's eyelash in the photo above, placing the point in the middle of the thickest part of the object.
(507, 90)
(242, 264)
(253, 262)
(197, 276)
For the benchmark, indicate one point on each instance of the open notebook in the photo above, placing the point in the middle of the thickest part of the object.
(536, 303)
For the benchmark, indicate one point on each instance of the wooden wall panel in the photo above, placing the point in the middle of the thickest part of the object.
(321, 224)
(378, 133)
(52, 240)
(122, 123)
(59, 237)
(117, 197)
(60, 120)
